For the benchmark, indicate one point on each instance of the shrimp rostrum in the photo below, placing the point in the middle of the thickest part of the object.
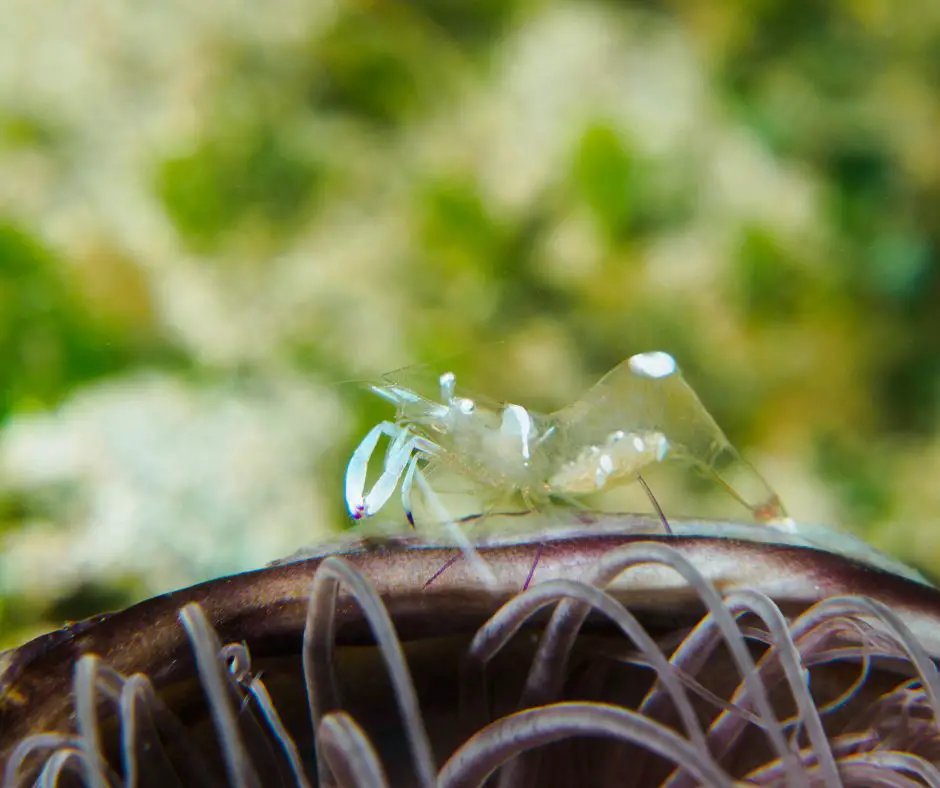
(641, 413)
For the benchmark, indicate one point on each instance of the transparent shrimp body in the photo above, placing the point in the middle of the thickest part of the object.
(499, 447)
(641, 413)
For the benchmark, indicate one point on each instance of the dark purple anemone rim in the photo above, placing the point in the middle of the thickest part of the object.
(268, 607)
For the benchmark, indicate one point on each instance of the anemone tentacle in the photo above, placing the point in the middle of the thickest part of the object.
(647, 668)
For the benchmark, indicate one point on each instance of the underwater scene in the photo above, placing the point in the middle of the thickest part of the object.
(221, 224)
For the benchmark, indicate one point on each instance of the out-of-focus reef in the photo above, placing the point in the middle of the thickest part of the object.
(212, 216)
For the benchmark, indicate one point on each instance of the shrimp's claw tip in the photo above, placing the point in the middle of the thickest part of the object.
(411, 518)
(358, 511)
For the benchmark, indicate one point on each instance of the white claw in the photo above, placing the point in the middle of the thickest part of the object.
(402, 448)
(359, 465)
(404, 451)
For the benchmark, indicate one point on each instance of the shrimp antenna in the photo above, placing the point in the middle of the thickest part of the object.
(442, 360)
(656, 506)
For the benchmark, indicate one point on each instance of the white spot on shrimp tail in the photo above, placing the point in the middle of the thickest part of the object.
(655, 364)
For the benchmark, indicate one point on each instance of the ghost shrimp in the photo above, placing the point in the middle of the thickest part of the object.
(641, 413)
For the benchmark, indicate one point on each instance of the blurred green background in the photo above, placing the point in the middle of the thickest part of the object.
(212, 214)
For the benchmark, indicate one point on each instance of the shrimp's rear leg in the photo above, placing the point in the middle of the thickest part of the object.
(447, 565)
(530, 506)
(656, 506)
(535, 562)
(548, 510)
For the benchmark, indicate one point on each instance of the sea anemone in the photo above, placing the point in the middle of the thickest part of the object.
(713, 654)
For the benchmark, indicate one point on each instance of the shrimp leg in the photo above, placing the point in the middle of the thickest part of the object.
(404, 444)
